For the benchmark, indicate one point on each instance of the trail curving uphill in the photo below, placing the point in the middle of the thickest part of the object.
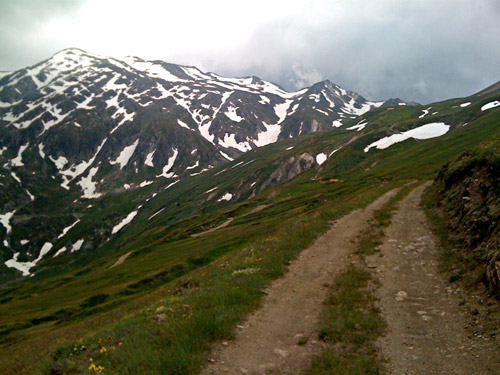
(268, 341)
(426, 326)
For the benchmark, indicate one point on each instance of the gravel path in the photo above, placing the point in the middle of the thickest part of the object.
(426, 325)
(267, 342)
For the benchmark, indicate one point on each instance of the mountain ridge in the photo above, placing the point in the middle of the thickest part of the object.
(78, 127)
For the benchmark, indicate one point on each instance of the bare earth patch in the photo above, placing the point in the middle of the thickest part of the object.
(229, 221)
(121, 259)
(223, 225)
(280, 337)
(427, 331)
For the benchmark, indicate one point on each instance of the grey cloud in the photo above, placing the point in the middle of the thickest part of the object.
(423, 52)
(416, 50)
(20, 31)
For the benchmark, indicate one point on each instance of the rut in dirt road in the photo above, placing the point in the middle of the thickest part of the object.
(426, 328)
(268, 341)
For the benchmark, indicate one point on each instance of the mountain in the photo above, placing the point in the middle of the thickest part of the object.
(80, 129)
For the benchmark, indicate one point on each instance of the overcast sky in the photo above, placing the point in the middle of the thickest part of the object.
(422, 50)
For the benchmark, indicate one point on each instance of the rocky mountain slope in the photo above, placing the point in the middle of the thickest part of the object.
(79, 129)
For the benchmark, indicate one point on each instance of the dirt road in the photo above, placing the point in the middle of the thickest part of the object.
(268, 342)
(426, 326)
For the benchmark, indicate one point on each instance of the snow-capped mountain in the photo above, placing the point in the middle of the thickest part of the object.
(88, 117)
(79, 126)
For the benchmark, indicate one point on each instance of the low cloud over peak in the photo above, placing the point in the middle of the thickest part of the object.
(420, 50)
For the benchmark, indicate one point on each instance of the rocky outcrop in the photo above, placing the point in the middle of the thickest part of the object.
(468, 199)
(288, 170)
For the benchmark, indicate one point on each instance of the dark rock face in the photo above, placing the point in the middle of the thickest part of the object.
(468, 192)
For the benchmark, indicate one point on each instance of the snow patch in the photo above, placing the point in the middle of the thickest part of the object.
(152, 69)
(67, 229)
(232, 115)
(195, 165)
(124, 222)
(426, 112)
(321, 158)
(237, 164)
(77, 245)
(85, 103)
(226, 156)
(25, 267)
(169, 165)
(321, 111)
(270, 135)
(359, 126)
(334, 151)
(281, 110)
(314, 97)
(40, 150)
(350, 108)
(327, 98)
(225, 197)
(490, 105)
(88, 186)
(149, 159)
(76, 170)
(195, 73)
(60, 162)
(205, 128)
(230, 141)
(60, 251)
(18, 160)
(5, 220)
(43, 251)
(32, 197)
(171, 184)
(125, 155)
(145, 183)
(427, 131)
(264, 100)
(14, 176)
(183, 124)
(463, 105)
(156, 213)
(210, 190)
